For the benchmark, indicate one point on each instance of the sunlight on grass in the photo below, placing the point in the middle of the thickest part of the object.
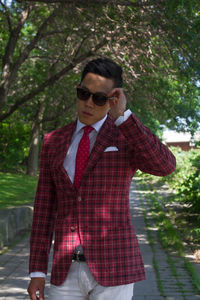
(16, 189)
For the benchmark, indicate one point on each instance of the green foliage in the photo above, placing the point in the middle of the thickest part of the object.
(157, 46)
(186, 165)
(186, 179)
(16, 189)
(14, 143)
(41, 60)
(195, 275)
(189, 191)
(167, 232)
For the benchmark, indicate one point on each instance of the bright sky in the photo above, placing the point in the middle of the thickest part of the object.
(7, 2)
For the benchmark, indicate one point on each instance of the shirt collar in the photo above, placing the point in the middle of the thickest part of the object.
(97, 126)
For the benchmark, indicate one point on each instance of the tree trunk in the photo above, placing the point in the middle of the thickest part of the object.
(32, 165)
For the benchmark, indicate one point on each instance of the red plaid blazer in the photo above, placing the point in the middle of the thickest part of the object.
(99, 209)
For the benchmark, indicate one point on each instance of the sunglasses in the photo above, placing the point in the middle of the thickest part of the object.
(98, 98)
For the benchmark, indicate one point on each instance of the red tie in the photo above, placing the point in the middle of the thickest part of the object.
(82, 155)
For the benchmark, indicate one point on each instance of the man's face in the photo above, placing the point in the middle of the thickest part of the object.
(88, 112)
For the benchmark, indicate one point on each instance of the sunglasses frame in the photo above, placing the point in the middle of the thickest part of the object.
(93, 96)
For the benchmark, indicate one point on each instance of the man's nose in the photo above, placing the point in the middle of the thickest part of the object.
(90, 102)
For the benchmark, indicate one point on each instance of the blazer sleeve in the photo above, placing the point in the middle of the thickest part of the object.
(148, 154)
(43, 216)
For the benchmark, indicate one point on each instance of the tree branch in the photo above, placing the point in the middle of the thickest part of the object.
(57, 115)
(51, 80)
(103, 2)
(76, 51)
(7, 59)
(31, 45)
(7, 16)
(8, 56)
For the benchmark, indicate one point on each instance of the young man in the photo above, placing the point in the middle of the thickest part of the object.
(83, 194)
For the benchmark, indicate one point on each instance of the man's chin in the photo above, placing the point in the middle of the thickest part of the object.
(86, 121)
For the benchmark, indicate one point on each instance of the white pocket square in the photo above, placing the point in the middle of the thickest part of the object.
(111, 148)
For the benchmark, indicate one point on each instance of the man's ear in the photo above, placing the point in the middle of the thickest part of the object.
(115, 100)
(116, 95)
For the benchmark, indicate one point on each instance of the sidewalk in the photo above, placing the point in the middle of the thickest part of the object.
(14, 266)
(177, 285)
(13, 272)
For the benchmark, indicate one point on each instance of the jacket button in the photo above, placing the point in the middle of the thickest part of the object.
(79, 199)
(72, 228)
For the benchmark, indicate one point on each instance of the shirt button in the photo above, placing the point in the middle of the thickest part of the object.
(79, 199)
(72, 228)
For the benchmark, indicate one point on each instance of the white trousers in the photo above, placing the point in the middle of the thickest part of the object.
(81, 285)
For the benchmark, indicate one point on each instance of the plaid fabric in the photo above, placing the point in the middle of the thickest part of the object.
(98, 212)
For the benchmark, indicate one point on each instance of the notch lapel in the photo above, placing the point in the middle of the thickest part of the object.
(106, 137)
(62, 148)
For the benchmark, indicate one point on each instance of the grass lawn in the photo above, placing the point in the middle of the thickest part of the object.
(16, 189)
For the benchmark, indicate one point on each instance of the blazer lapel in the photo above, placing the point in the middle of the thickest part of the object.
(107, 136)
(62, 148)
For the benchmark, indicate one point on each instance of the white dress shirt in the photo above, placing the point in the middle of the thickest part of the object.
(70, 159)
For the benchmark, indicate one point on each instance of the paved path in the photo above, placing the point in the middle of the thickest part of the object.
(14, 266)
(176, 282)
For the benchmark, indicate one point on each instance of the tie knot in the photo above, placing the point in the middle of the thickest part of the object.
(87, 129)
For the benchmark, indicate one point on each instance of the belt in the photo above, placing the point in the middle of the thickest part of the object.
(78, 257)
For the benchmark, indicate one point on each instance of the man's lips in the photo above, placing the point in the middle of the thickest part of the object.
(87, 114)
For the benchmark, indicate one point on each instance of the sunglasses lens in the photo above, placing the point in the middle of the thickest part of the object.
(82, 94)
(99, 99)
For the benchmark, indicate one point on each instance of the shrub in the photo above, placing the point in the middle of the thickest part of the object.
(185, 181)
(186, 165)
(14, 144)
(189, 191)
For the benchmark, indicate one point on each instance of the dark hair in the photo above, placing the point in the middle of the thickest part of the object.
(104, 67)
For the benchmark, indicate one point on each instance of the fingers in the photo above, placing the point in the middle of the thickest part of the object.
(117, 107)
(36, 294)
(36, 288)
(118, 96)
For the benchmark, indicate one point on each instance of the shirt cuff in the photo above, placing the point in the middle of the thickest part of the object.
(123, 118)
(37, 274)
